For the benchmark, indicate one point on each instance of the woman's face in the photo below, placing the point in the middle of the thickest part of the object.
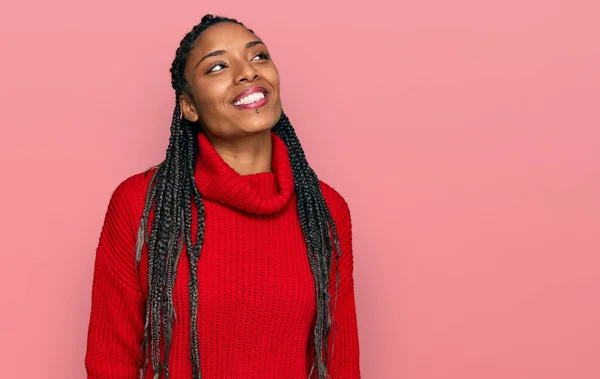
(226, 61)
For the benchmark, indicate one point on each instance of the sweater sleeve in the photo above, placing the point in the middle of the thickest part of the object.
(344, 362)
(116, 319)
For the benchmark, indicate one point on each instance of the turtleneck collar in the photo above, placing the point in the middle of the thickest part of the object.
(260, 193)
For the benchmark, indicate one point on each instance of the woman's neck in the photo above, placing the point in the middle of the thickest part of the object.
(246, 155)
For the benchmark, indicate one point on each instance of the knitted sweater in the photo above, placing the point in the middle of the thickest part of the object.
(256, 292)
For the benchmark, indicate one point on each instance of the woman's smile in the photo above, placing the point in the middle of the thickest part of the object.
(251, 98)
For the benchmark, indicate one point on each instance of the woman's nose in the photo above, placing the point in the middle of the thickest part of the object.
(246, 72)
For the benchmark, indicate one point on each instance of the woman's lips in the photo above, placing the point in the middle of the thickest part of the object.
(249, 91)
(257, 104)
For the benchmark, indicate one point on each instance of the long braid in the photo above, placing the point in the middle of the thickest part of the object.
(315, 220)
(193, 250)
(172, 190)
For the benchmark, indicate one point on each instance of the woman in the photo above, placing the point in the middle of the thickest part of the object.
(265, 288)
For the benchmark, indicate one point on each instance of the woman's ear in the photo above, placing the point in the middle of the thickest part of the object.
(188, 109)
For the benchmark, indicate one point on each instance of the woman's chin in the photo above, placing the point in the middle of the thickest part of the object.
(260, 122)
(259, 126)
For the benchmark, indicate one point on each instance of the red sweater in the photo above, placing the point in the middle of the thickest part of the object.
(256, 292)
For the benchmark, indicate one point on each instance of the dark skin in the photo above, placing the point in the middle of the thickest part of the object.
(241, 137)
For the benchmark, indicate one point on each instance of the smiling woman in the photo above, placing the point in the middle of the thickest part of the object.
(267, 289)
(225, 54)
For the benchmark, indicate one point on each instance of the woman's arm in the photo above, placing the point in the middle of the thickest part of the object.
(344, 363)
(116, 320)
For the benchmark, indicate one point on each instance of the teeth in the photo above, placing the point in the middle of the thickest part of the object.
(252, 98)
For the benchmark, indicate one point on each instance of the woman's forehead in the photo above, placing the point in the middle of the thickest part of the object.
(224, 36)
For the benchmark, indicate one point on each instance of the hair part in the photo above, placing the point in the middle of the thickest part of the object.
(171, 190)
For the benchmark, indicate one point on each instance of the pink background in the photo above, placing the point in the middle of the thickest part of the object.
(464, 135)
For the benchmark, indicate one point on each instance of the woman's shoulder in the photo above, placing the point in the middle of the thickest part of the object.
(335, 201)
(131, 191)
(134, 183)
(343, 222)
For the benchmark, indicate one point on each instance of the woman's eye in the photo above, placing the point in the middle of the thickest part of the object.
(221, 64)
(263, 55)
(212, 69)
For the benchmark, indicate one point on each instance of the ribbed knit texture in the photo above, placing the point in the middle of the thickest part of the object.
(256, 292)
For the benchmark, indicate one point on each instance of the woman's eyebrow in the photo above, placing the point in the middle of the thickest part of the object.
(221, 52)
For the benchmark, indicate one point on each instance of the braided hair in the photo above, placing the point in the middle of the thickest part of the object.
(171, 191)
